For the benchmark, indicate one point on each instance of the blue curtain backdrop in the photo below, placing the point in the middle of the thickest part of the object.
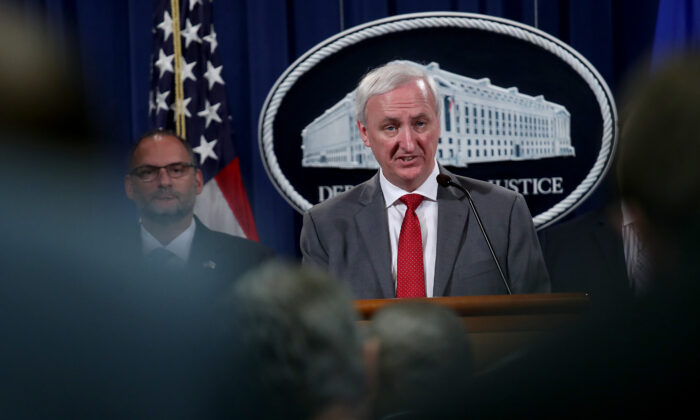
(258, 39)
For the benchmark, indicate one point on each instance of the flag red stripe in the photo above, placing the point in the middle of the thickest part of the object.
(231, 186)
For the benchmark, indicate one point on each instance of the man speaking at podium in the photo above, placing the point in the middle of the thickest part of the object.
(401, 233)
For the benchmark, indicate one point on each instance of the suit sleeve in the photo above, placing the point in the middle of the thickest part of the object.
(526, 268)
(312, 250)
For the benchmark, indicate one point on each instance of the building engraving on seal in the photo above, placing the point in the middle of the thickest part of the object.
(480, 123)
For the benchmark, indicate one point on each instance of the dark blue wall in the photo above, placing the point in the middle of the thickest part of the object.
(259, 38)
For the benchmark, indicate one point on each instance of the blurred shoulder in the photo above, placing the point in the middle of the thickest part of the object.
(218, 240)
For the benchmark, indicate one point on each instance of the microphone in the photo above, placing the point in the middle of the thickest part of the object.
(446, 181)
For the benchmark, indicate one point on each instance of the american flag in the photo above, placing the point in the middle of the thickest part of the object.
(196, 108)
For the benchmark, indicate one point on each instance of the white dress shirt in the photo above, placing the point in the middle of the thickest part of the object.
(636, 258)
(180, 246)
(427, 213)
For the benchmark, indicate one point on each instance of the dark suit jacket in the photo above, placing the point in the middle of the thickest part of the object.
(217, 256)
(586, 254)
(234, 255)
(349, 236)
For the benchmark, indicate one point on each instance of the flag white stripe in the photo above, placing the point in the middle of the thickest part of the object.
(213, 210)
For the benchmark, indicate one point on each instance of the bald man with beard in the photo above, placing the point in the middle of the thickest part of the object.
(164, 181)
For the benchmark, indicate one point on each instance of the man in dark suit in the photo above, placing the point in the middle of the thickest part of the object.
(384, 237)
(586, 254)
(164, 181)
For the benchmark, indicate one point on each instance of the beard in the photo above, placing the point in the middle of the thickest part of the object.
(167, 205)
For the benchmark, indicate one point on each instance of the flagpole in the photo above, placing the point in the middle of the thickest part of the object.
(223, 204)
(177, 51)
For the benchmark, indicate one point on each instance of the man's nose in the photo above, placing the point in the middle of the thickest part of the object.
(407, 140)
(164, 177)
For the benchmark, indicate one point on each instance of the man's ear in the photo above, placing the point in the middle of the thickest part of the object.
(128, 187)
(199, 180)
(363, 133)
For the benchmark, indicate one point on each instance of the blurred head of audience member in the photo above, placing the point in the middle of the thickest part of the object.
(637, 359)
(40, 92)
(44, 132)
(658, 166)
(84, 336)
(303, 353)
(423, 356)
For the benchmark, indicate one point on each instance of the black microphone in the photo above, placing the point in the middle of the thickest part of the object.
(446, 181)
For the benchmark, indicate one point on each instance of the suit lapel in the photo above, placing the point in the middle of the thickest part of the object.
(451, 231)
(371, 220)
(200, 243)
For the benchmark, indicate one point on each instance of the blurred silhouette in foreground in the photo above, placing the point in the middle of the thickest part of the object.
(598, 253)
(421, 356)
(641, 358)
(84, 336)
(302, 354)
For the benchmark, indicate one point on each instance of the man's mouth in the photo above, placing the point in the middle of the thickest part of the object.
(407, 158)
(165, 197)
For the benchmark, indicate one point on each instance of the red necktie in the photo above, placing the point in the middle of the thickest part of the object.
(410, 278)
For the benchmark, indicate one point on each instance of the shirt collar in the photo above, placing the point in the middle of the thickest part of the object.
(627, 214)
(392, 193)
(180, 246)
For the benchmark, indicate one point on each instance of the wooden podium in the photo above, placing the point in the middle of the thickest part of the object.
(500, 324)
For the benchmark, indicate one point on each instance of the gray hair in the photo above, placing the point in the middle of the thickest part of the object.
(302, 338)
(423, 349)
(387, 78)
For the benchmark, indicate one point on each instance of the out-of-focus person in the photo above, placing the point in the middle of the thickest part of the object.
(84, 336)
(301, 347)
(598, 253)
(421, 356)
(638, 359)
(657, 170)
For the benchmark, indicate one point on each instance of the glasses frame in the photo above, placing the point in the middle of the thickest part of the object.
(169, 168)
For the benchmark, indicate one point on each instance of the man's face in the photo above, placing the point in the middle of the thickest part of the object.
(163, 198)
(403, 130)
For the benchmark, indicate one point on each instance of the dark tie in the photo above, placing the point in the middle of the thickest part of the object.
(161, 258)
(410, 277)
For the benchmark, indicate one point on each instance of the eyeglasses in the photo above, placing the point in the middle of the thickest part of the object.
(148, 173)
